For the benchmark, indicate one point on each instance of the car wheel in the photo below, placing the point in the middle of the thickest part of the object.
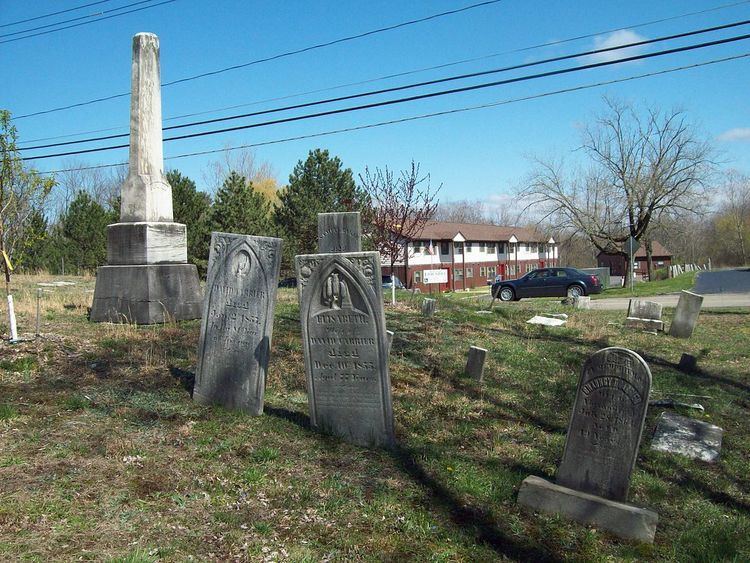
(506, 294)
(575, 291)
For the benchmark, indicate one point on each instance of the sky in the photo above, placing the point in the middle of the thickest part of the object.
(482, 154)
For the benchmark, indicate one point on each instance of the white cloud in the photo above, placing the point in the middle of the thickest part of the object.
(615, 39)
(736, 134)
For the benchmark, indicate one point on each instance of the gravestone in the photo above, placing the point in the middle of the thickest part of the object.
(688, 363)
(475, 362)
(600, 448)
(428, 307)
(147, 278)
(345, 346)
(235, 337)
(686, 436)
(339, 232)
(582, 302)
(644, 315)
(686, 315)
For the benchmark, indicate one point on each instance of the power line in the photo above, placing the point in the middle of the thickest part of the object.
(79, 18)
(428, 115)
(275, 57)
(98, 19)
(420, 96)
(54, 13)
(409, 86)
(404, 73)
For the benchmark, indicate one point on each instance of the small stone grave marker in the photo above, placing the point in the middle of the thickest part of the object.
(687, 436)
(339, 232)
(686, 314)
(645, 315)
(235, 337)
(346, 346)
(601, 448)
(428, 307)
(475, 362)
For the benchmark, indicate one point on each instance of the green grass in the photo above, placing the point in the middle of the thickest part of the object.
(106, 457)
(660, 287)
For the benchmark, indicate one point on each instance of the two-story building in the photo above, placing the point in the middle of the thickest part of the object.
(472, 254)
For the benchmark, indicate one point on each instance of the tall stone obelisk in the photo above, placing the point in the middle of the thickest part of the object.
(147, 279)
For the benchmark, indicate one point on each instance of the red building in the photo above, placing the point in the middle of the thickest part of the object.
(471, 254)
(618, 263)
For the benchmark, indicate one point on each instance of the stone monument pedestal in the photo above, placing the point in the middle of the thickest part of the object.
(147, 293)
(623, 520)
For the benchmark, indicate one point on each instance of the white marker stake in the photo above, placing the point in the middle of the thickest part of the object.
(12, 320)
(393, 289)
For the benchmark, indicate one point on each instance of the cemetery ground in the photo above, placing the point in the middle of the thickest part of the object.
(103, 455)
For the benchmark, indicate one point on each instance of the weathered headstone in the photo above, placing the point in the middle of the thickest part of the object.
(235, 338)
(428, 307)
(147, 278)
(686, 315)
(339, 232)
(345, 346)
(475, 362)
(689, 437)
(601, 448)
(582, 302)
(644, 315)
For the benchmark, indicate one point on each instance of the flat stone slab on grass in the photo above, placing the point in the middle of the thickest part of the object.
(623, 520)
(644, 324)
(546, 321)
(687, 436)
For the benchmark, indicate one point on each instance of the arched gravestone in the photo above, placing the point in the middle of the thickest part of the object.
(606, 425)
(339, 232)
(346, 346)
(235, 339)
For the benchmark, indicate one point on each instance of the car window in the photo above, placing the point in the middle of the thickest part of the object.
(561, 273)
(530, 275)
(543, 274)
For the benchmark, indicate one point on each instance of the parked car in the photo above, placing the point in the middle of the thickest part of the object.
(547, 282)
(387, 282)
(288, 282)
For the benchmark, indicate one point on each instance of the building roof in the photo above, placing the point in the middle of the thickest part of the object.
(441, 230)
(657, 249)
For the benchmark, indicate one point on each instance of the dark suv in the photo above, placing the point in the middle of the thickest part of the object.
(547, 282)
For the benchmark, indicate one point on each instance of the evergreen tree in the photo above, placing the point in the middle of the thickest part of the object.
(193, 208)
(318, 185)
(84, 228)
(238, 208)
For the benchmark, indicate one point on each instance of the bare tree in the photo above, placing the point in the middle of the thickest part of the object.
(22, 191)
(400, 208)
(732, 219)
(463, 211)
(245, 163)
(103, 185)
(644, 168)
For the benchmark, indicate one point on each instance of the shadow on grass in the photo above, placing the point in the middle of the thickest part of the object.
(474, 521)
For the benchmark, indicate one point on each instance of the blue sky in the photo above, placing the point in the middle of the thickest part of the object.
(477, 155)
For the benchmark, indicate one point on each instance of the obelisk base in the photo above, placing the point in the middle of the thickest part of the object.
(147, 294)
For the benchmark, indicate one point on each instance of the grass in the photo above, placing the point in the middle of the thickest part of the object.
(659, 287)
(104, 456)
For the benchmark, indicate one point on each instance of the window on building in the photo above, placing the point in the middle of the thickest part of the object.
(490, 248)
(530, 266)
(482, 246)
(418, 277)
(469, 272)
(511, 269)
(445, 248)
(482, 272)
(469, 246)
(458, 248)
(458, 274)
(491, 272)
(419, 246)
(501, 248)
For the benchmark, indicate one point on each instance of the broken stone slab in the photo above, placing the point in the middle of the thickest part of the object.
(686, 314)
(562, 316)
(624, 520)
(475, 362)
(644, 324)
(546, 321)
(642, 309)
(688, 437)
(671, 403)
